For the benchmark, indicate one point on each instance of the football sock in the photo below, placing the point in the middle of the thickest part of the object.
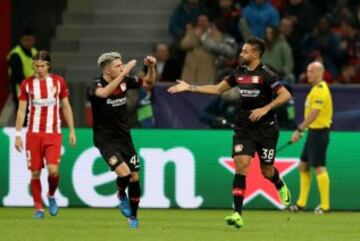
(305, 184)
(53, 184)
(238, 192)
(134, 197)
(324, 189)
(122, 183)
(36, 193)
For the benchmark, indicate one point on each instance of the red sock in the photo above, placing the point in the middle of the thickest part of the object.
(53, 184)
(36, 193)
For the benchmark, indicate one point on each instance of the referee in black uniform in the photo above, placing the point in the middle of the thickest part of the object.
(111, 132)
(256, 128)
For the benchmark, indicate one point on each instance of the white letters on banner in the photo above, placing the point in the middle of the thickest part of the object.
(85, 182)
(155, 160)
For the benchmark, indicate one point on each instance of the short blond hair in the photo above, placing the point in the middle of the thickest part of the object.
(106, 58)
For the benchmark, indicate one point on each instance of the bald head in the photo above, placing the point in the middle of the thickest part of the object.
(315, 72)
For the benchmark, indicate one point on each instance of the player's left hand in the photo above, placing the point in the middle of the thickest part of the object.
(256, 114)
(72, 138)
(150, 61)
(296, 136)
(180, 87)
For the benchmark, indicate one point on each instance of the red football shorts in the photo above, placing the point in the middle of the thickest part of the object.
(41, 148)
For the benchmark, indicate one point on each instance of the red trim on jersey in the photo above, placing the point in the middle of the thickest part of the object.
(248, 79)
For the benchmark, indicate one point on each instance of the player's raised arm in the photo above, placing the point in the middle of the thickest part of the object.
(183, 86)
(149, 79)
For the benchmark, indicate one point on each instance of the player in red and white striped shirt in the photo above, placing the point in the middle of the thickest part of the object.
(45, 94)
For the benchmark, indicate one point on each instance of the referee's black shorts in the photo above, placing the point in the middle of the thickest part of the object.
(314, 152)
(115, 154)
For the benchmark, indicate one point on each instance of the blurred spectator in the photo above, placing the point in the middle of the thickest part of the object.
(199, 63)
(228, 12)
(324, 6)
(322, 39)
(350, 42)
(224, 49)
(258, 15)
(167, 69)
(302, 14)
(20, 60)
(279, 5)
(278, 54)
(185, 13)
(349, 75)
(293, 39)
(220, 113)
(355, 7)
(340, 12)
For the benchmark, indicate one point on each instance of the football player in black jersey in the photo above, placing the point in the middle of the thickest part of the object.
(111, 131)
(256, 128)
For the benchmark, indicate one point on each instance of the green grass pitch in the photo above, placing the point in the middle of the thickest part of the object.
(83, 224)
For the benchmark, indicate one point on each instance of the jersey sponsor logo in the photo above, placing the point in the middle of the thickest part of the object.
(249, 93)
(43, 102)
(113, 160)
(116, 102)
(238, 148)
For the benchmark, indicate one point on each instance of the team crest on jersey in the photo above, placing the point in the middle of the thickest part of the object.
(238, 148)
(113, 160)
(123, 86)
(255, 79)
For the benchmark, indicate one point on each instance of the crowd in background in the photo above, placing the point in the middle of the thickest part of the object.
(208, 34)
